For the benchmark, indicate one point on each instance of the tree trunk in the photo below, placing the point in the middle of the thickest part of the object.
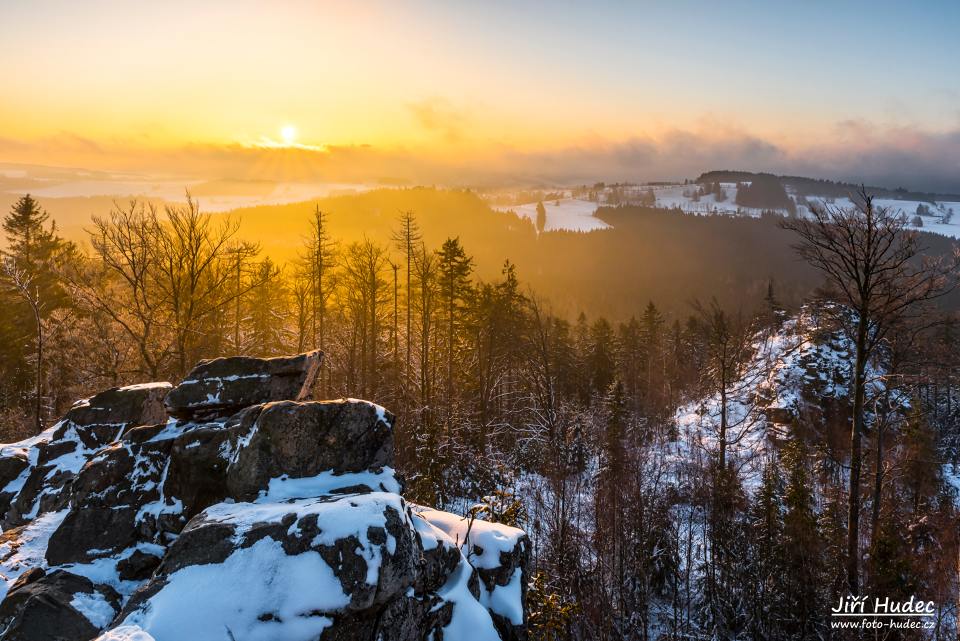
(878, 483)
(450, 348)
(409, 317)
(856, 463)
(39, 391)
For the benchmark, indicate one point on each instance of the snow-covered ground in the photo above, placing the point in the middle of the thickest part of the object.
(569, 214)
(934, 222)
(682, 197)
(574, 214)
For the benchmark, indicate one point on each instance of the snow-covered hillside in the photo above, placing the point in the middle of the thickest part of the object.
(570, 214)
(803, 369)
(578, 214)
(940, 217)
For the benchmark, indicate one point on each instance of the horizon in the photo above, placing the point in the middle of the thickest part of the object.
(508, 94)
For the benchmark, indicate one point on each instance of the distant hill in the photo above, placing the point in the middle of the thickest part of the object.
(803, 186)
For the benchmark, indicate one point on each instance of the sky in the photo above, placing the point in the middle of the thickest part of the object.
(441, 91)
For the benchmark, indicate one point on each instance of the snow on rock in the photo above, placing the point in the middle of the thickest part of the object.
(329, 482)
(95, 607)
(126, 633)
(485, 543)
(271, 595)
(498, 553)
(48, 463)
(803, 368)
(469, 620)
(25, 547)
(224, 385)
(52, 605)
(257, 515)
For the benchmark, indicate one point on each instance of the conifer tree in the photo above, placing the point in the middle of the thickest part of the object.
(802, 604)
(454, 272)
(766, 540)
(30, 291)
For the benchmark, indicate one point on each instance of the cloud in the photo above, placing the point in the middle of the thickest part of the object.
(855, 151)
(893, 156)
(438, 115)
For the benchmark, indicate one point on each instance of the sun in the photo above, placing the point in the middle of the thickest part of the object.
(289, 134)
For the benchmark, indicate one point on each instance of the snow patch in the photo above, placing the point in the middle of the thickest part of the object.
(94, 607)
(482, 541)
(569, 214)
(28, 550)
(285, 488)
(469, 620)
(257, 594)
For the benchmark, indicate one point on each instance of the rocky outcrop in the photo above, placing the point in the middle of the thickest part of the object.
(234, 506)
(56, 605)
(224, 385)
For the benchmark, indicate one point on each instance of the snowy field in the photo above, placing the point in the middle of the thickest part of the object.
(679, 196)
(932, 223)
(569, 214)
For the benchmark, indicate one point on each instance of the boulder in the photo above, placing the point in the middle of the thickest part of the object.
(290, 565)
(222, 386)
(58, 606)
(60, 452)
(115, 489)
(199, 458)
(11, 466)
(500, 555)
(101, 418)
(139, 566)
(303, 439)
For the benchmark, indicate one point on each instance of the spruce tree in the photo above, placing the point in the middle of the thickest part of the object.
(455, 268)
(766, 542)
(541, 217)
(802, 605)
(30, 291)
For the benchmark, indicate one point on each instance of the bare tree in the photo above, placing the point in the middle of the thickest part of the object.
(367, 298)
(118, 285)
(319, 259)
(24, 286)
(727, 340)
(878, 267)
(240, 257)
(426, 273)
(165, 280)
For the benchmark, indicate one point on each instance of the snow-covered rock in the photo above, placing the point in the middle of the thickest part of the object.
(46, 464)
(800, 373)
(250, 513)
(224, 385)
(56, 605)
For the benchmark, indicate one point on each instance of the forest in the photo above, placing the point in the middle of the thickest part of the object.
(617, 425)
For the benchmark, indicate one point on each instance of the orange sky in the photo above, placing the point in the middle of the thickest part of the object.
(110, 84)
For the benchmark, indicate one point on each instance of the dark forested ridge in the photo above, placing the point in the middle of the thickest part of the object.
(805, 186)
(665, 407)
